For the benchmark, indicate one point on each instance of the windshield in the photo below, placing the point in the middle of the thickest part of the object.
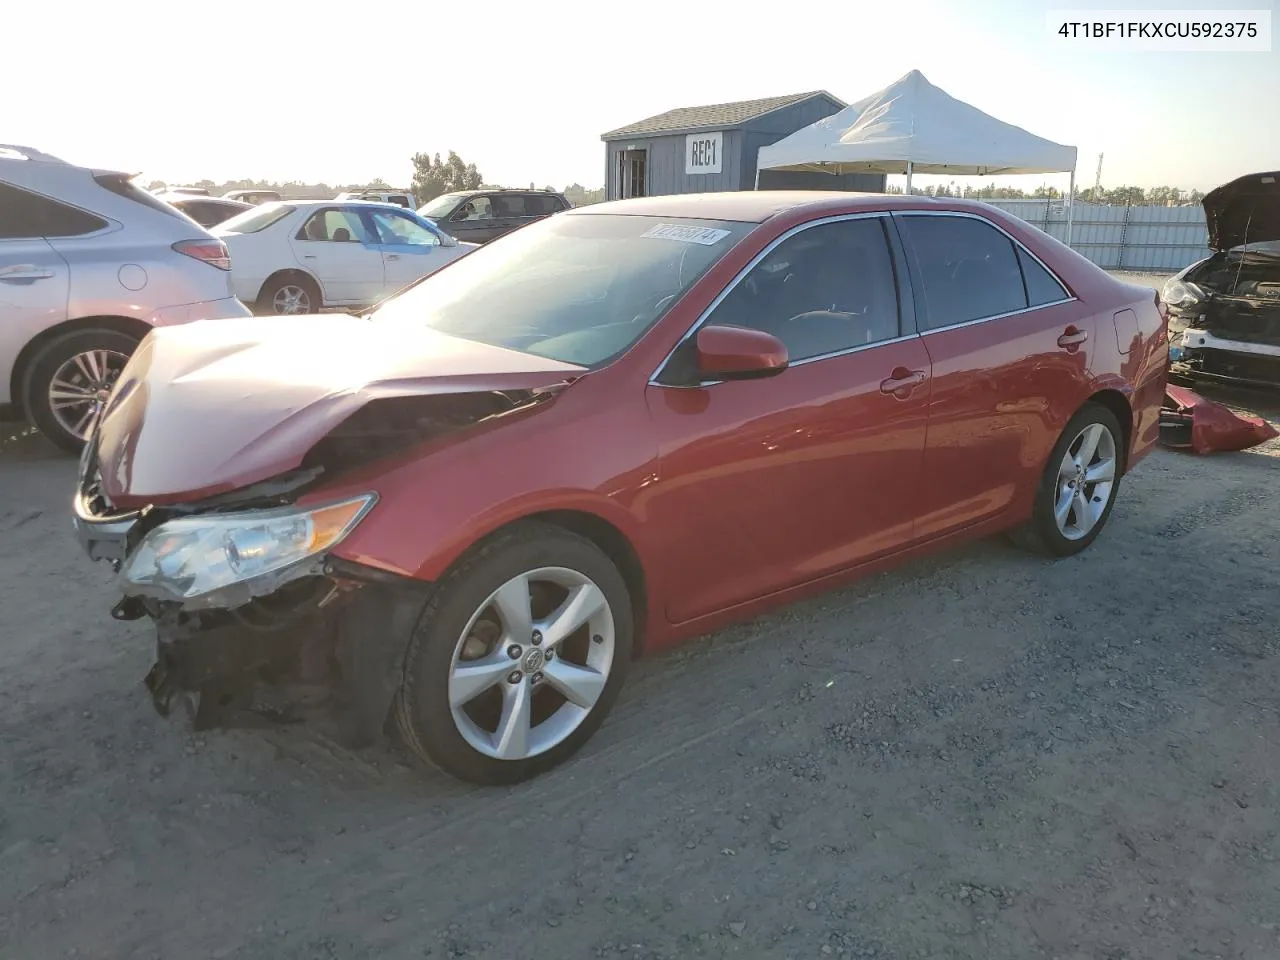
(578, 288)
(255, 219)
(440, 205)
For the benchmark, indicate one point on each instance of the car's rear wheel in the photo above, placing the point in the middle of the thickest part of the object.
(518, 658)
(1078, 488)
(69, 381)
(289, 295)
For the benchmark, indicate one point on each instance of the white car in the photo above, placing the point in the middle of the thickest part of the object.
(89, 263)
(299, 256)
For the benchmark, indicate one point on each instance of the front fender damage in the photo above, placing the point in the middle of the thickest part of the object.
(328, 651)
(325, 642)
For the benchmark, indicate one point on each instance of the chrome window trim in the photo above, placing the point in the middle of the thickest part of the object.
(741, 275)
(1017, 244)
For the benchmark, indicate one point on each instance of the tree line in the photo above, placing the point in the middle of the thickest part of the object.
(1161, 196)
(432, 177)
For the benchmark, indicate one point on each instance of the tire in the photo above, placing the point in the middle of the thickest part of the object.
(74, 360)
(1043, 533)
(278, 289)
(449, 636)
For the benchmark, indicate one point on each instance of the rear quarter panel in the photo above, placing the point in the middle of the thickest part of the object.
(124, 275)
(1138, 373)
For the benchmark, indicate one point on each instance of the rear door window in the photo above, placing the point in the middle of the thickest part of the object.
(967, 269)
(509, 206)
(28, 216)
(336, 225)
(542, 205)
(1042, 286)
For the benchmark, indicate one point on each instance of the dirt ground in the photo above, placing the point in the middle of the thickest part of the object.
(982, 755)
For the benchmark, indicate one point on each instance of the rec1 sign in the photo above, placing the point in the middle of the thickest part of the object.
(702, 152)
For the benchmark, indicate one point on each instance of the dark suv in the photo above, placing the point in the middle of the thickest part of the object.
(478, 216)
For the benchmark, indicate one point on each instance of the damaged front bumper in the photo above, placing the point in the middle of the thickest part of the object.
(1201, 354)
(325, 639)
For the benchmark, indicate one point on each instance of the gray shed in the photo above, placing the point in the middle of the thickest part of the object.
(713, 148)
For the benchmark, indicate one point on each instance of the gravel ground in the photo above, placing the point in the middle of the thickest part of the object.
(981, 755)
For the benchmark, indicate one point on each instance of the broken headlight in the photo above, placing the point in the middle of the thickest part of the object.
(1180, 293)
(194, 560)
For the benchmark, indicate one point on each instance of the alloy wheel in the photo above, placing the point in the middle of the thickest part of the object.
(80, 388)
(1086, 481)
(532, 663)
(291, 299)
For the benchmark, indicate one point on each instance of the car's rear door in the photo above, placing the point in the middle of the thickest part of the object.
(1009, 348)
(514, 210)
(338, 247)
(770, 483)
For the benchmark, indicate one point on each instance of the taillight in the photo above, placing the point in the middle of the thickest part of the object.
(212, 252)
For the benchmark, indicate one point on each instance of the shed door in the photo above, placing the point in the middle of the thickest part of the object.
(633, 173)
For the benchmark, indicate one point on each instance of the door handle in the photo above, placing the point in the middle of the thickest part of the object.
(308, 256)
(1072, 337)
(902, 382)
(393, 256)
(25, 271)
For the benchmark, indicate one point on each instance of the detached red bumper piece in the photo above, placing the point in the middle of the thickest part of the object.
(1190, 421)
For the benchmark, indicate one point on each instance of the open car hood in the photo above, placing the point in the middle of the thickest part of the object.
(208, 407)
(1246, 210)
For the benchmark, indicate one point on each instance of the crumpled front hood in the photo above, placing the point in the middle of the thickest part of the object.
(208, 407)
(1246, 210)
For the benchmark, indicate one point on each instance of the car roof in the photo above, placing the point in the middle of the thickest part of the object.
(757, 206)
(188, 197)
(14, 151)
(334, 202)
(482, 191)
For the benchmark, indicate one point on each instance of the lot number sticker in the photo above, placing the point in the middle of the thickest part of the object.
(707, 236)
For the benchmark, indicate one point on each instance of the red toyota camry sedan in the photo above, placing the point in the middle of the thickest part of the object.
(467, 511)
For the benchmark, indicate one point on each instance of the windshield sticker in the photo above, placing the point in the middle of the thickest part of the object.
(707, 236)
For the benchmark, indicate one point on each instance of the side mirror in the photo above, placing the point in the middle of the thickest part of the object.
(738, 353)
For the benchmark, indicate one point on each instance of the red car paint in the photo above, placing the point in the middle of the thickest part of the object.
(723, 500)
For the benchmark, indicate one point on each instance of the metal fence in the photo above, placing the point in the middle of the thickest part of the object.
(1136, 237)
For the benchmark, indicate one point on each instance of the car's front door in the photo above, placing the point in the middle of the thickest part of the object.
(409, 250)
(774, 482)
(475, 221)
(337, 246)
(1010, 353)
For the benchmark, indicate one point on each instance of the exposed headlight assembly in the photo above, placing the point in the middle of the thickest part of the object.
(1180, 293)
(227, 559)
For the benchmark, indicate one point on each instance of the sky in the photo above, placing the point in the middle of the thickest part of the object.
(344, 94)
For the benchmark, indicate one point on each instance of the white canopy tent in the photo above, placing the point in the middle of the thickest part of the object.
(911, 126)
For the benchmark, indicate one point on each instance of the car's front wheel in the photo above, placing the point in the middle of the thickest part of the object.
(518, 657)
(69, 381)
(1079, 485)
